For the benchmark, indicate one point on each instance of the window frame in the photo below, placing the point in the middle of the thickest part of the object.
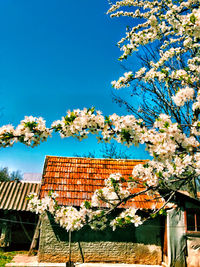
(195, 212)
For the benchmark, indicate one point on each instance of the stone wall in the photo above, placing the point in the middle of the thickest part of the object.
(140, 245)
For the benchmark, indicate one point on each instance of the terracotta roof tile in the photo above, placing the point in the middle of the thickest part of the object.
(75, 179)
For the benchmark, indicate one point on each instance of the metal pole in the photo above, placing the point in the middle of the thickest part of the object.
(70, 246)
(70, 263)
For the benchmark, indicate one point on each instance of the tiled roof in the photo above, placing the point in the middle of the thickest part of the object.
(13, 194)
(75, 179)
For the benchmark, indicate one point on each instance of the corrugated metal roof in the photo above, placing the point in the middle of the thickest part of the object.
(76, 179)
(13, 194)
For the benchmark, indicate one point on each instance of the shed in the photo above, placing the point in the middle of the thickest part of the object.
(172, 240)
(75, 180)
(17, 223)
(182, 232)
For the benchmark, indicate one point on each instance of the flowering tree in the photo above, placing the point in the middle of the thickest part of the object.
(175, 27)
(154, 97)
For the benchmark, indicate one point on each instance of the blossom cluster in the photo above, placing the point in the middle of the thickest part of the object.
(68, 217)
(78, 123)
(111, 194)
(73, 219)
(128, 216)
(183, 95)
(123, 81)
(40, 205)
(31, 131)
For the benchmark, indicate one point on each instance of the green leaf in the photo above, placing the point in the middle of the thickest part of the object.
(155, 155)
(107, 120)
(92, 109)
(100, 191)
(162, 212)
(122, 179)
(193, 18)
(166, 125)
(153, 215)
(164, 71)
(50, 192)
(87, 204)
(126, 135)
(30, 125)
(70, 119)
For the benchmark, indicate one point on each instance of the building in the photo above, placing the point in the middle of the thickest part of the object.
(171, 240)
(75, 180)
(182, 232)
(17, 223)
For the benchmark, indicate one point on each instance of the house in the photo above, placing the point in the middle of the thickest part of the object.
(17, 223)
(170, 240)
(32, 177)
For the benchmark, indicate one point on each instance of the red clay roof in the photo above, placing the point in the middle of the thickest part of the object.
(75, 179)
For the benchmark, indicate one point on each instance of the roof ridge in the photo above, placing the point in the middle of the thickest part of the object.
(109, 159)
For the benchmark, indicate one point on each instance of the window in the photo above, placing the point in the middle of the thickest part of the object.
(193, 220)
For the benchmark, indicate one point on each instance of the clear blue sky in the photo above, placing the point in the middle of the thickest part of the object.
(55, 56)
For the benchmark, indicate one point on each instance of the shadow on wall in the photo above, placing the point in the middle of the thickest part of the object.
(148, 233)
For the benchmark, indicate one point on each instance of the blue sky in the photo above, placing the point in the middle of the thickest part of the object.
(55, 56)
